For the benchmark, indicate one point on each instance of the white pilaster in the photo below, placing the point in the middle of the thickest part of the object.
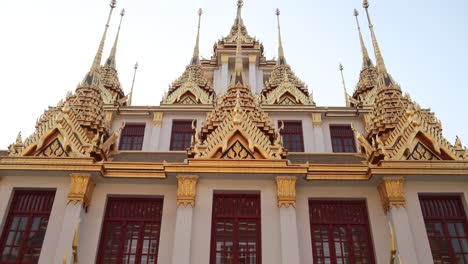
(253, 73)
(393, 200)
(406, 250)
(79, 198)
(289, 239)
(286, 192)
(73, 215)
(186, 191)
(183, 235)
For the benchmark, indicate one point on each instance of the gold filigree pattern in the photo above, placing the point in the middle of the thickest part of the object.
(54, 149)
(237, 151)
(391, 193)
(420, 152)
(186, 190)
(81, 189)
(286, 191)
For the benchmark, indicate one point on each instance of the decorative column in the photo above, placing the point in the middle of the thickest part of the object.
(253, 73)
(224, 74)
(286, 188)
(78, 200)
(186, 191)
(156, 131)
(319, 141)
(394, 204)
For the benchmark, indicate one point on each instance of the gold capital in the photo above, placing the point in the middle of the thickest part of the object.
(391, 193)
(317, 119)
(81, 189)
(157, 119)
(286, 188)
(186, 190)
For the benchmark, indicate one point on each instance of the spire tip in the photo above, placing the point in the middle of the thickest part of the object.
(355, 13)
(365, 4)
(122, 13)
(277, 11)
(113, 3)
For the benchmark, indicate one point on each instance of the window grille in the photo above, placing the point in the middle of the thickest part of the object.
(132, 137)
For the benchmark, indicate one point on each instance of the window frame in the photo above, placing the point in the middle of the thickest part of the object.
(184, 132)
(132, 136)
(341, 221)
(351, 136)
(125, 221)
(235, 239)
(436, 200)
(291, 132)
(47, 200)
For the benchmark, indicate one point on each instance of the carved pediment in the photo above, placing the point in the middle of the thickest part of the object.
(53, 149)
(237, 151)
(421, 152)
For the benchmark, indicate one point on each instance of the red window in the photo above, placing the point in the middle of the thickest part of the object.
(292, 136)
(25, 227)
(342, 137)
(340, 232)
(235, 232)
(446, 228)
(130, 232)
(181, 134)
(132, 137)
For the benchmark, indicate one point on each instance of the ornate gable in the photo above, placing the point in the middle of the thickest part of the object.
(284, 87)
(192, 83)
(237, 129)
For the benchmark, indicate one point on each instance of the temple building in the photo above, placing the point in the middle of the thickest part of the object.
(237, 164)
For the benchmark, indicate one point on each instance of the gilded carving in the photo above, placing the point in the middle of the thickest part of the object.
(286, 191)
(391, 193)
(317, 119)
(186, 190)
(157, 118)
(81, 189)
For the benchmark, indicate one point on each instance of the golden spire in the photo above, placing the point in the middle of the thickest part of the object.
(344, 87)
(91, 77)
(133, 83)
(196, 51)
(237, 75)
(97, 58)
(240, 3)
(111, 60)
(281, 58)
(366, 61)
(381, 69)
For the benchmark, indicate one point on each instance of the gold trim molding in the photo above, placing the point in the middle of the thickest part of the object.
(81, 189)
(391, 193)
(317, 119)
(157, 119)
(286, 190)
(186, 190)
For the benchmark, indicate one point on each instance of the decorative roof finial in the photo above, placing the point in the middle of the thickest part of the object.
(97, 58)
(240, 3)
(111, 60)
(344, 86)
(281, 58)
(366, 61)
(133, 83)
(196, 51)
(381, 69)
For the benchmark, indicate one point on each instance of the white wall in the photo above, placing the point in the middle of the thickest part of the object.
(60, 184)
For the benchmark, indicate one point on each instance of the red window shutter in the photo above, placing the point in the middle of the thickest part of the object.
(132, 137)
(446, 227)
(342, 138)
(26, 226)
(130, 232)
(181, 134)
(293, 139)
(236, 231)
(340, 232)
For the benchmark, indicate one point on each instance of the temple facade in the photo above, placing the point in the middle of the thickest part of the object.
(237, 164)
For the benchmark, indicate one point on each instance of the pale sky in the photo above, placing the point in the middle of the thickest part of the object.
(47, 46)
